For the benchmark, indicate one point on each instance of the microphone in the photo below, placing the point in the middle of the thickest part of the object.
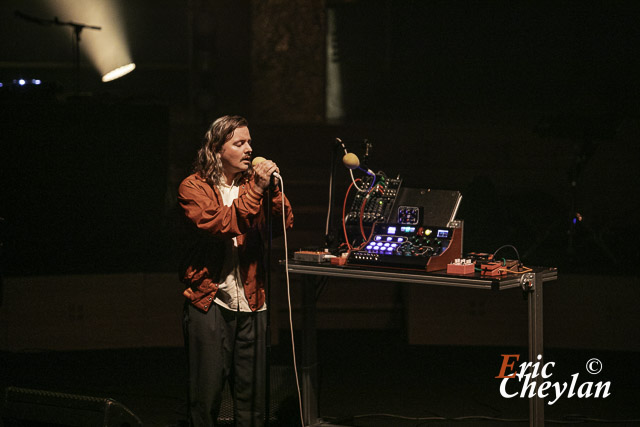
(351, 161)
(260, 159)
(257, 160)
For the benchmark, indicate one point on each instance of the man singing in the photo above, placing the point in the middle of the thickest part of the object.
(224, 318)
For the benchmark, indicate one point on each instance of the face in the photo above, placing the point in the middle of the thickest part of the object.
(235, 154)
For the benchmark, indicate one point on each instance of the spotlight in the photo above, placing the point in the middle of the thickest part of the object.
(107, 48)
(118, 72)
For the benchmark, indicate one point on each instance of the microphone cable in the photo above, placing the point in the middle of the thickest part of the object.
(286, 263)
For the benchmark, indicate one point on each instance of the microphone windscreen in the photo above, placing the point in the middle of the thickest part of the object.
(257, 160)
(351, 161)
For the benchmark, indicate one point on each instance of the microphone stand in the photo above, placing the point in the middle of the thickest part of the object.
(77, 29)
(365, 159)
(267, 381)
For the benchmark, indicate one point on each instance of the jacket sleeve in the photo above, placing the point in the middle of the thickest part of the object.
(203, 207)
(276, 211)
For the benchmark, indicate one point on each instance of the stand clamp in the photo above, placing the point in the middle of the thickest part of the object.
(527, 283)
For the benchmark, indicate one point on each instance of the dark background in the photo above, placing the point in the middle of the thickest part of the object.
(529, 108)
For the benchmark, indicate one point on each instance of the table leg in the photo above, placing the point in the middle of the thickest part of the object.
(536, 403)
(309, 352)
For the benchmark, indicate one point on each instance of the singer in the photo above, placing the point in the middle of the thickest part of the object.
(223, 203)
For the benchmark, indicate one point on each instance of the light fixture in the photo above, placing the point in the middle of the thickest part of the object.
(118, 72)
(25, 82)
(108, 48)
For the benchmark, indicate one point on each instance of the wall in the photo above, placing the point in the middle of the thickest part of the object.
(83, 312)
(530, 109)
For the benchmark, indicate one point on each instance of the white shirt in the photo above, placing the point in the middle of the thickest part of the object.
(230, 293)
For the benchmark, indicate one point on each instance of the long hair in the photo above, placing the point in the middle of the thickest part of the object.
(207, 163)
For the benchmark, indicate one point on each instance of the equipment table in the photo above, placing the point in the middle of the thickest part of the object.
(530, 282)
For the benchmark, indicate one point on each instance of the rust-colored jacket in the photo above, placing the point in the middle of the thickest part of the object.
(210, 223)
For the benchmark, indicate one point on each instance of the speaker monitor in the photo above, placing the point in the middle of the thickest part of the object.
(27, 407)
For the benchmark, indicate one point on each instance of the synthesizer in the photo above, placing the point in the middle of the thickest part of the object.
(403, 246)
(418, 230)
(375, 204)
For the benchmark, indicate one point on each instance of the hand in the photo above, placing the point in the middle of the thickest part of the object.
(262, 173)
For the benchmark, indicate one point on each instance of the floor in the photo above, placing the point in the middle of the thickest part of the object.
(367, 379)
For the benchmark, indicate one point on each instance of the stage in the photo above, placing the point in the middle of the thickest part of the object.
(367, 378)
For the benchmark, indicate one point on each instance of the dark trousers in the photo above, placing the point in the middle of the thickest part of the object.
(224, 345)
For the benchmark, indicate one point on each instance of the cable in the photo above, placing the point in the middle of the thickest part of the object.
(365, 199)
(326, 228)
(344, 223)
(572, 418)
(367, 239)
(286, 263)
(507, 246)
(568, 419)
(344, 211)
(524, 270)
(342, 144)
(520, 265)
(362, 190)
(364, 202)
(439, 418)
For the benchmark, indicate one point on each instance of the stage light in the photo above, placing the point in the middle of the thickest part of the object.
(118, 72)
(25, 82)
(107, 49)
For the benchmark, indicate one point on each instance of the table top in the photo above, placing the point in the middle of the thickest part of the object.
(440, 277)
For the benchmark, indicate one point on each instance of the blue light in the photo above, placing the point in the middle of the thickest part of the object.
(1, 84)
(391, 230)
(21, 82)
(36, 81)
